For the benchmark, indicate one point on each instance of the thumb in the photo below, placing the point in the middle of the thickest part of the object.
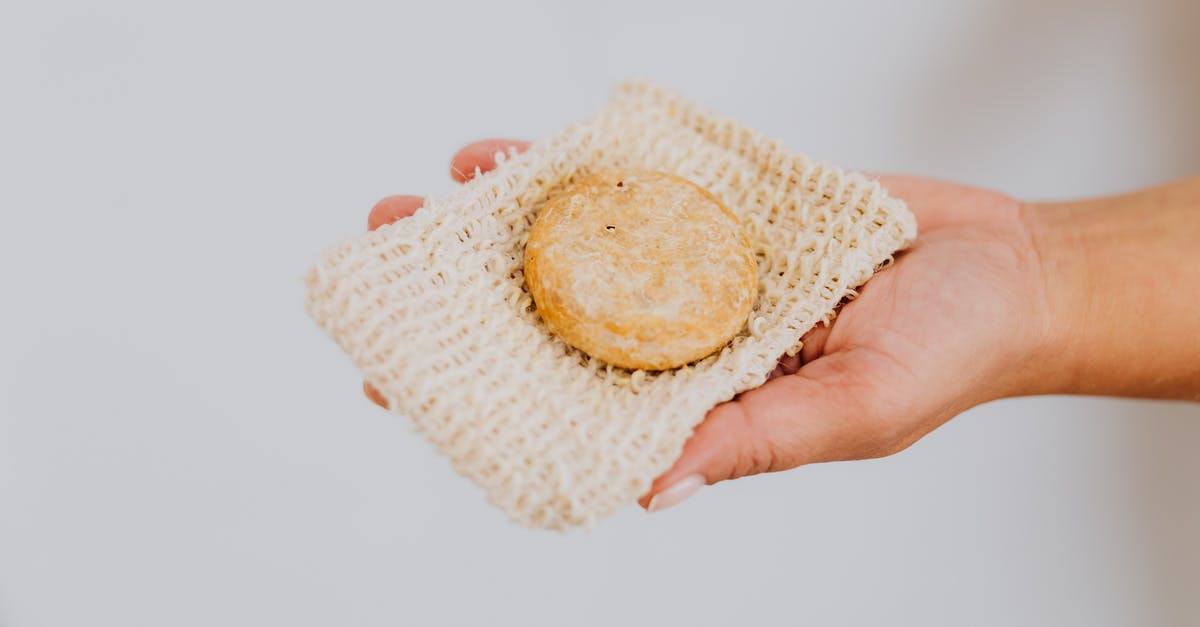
(831, 409)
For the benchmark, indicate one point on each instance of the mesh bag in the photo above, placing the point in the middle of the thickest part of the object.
(433, 309)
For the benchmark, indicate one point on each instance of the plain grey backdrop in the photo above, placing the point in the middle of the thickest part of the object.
(179, 445)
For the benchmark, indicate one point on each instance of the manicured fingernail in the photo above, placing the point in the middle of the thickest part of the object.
(676, 493)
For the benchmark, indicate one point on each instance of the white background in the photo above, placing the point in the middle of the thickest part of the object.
(179, 445)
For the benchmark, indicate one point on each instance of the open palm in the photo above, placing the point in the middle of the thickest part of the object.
(948, 326)
(926, 339)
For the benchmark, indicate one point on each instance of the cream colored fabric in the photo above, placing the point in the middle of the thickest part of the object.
(434, 311)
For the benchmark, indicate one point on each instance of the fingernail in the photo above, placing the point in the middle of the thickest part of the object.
(676, 493)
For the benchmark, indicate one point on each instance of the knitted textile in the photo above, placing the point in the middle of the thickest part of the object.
(433, 309)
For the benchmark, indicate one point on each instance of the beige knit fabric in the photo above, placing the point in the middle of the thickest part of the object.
(434, 310)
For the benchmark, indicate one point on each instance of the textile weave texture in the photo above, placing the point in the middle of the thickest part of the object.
(434, 310)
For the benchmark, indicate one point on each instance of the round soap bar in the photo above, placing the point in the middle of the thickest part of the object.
(640, 269)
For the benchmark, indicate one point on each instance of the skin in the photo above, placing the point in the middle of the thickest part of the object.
(996, 298)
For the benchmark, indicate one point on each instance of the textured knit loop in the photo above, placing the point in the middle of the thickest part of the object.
(434, 311)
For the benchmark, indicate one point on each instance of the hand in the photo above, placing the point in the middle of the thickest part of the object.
(962, 317)
(948, 326)
(982, 306)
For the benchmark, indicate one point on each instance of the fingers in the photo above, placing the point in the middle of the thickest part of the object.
(482, 155)
(829, 410)
(387, 211)
(374, 396)
(391, 209)
(814, 342)
(788, 364)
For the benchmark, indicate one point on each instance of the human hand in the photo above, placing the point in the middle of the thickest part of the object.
(946, 327)
(962, 317)
(996, 298)
(971, 312)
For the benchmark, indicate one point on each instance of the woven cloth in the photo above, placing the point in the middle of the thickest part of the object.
(434, 311)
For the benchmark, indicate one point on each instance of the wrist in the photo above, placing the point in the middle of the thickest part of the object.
(1123, 312)
(1059, 248)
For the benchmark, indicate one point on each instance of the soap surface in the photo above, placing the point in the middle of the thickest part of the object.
(640, 269)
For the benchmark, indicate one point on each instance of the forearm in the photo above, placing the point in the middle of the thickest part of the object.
(1123, 279)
